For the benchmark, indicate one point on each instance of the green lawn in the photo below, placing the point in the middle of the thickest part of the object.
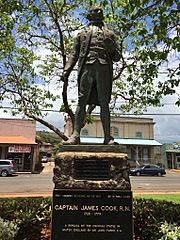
(168, 197)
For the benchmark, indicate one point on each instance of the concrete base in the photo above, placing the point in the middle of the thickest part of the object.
(65, 172)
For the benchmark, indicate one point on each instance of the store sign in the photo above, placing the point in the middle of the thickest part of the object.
(19, 149)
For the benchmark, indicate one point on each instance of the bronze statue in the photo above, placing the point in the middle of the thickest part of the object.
(96, 49)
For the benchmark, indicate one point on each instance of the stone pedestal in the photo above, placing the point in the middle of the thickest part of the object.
(92, 198)
(91, 167)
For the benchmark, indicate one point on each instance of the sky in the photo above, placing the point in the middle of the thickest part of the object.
(167, 119)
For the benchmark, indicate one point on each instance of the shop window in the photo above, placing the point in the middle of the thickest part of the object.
(138, 134)
(114, 131)
(17, 157)
(85, 132)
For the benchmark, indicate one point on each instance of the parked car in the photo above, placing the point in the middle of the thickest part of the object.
(7, 167)
(44, 159)
(148, 169)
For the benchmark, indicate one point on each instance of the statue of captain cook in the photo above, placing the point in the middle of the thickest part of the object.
(96, 49)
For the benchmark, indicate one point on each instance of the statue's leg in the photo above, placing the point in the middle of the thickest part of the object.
(105, 119)
(104, 86)
(79, 117)
(83, 96)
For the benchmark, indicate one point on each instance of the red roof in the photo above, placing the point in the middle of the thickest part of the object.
(16, 140)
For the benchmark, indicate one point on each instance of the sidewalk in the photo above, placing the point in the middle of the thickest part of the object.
(48, 167)
(175, 170)
(172, 171)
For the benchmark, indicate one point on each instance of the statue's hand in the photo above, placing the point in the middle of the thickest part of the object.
(110, 45)
(65, 76)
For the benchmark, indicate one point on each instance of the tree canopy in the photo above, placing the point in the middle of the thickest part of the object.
(36, 38)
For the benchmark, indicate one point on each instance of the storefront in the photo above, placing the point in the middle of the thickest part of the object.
(173, 158)
(22, 155)
(19, 149)
(140, 151)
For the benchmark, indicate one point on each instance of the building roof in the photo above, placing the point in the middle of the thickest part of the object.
(173, 151)
(16, 140)
(125, 116)
(123, 141)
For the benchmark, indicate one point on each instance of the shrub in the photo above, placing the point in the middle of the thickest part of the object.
(30, 214)
(149, 215)
(170, 231)
(8, 229)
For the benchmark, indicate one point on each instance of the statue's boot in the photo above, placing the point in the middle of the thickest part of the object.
(73, 140)
(110, 141)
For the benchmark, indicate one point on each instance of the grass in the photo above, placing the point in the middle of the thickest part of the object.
(167, 197)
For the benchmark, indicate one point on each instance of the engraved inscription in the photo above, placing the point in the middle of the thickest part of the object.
(83, 214)
(92, 208)
(66, 207)
(98, 228)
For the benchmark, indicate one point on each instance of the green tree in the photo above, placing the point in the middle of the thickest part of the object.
(147, 32)
(48, 137)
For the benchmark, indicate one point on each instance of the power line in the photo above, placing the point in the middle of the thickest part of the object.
(43, 110)
(150, 114)
(126, 114)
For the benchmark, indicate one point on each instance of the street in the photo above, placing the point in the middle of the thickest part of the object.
(153, 184)
(42, 185)
(27, 184)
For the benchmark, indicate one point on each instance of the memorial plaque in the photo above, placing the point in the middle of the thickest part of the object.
(88, 215)
(92, 169)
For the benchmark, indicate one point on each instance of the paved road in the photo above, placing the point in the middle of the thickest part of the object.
(29, 184)
(41, 184)
(166, 184)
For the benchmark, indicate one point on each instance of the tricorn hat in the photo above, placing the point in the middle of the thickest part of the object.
(95, 13)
